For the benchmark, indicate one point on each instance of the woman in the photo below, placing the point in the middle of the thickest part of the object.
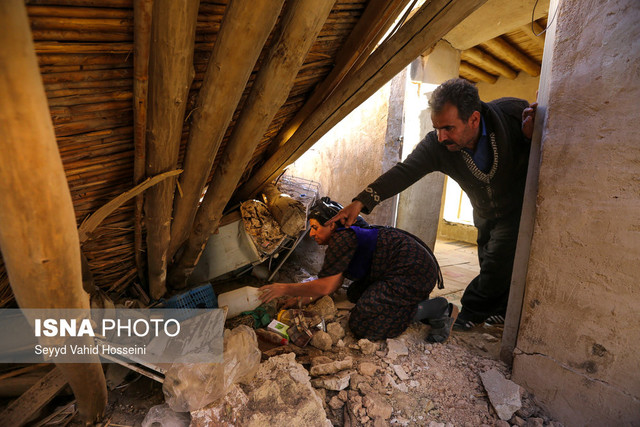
(393, 273)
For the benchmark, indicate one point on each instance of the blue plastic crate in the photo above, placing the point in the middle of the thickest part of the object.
(200, 297)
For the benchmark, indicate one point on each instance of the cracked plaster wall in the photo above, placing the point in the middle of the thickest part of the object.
(579, 338)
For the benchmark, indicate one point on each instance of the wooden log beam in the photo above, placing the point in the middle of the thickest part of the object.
(535, 32)
(170, 76)
(477, 73)
(371, 27)
(505, 49)
(432, 21)
(142, 10)
(488, 61)
(300, 25)
(38, 233)
(227, 74)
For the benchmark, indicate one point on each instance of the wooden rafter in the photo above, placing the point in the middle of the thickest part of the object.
(38, 233)
(227, 73)
(488, 61)
(300, 26)
(429, 25)
(371, 27)
(171, 73)
(142, 43)
(476, 73)
(509, 52)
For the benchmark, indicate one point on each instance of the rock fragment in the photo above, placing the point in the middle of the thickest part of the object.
(335, 382)
(367, 347)
(504, 394)
(332, 367)
(377, 406)
(321, 340)
(367, 369)
(395, 348)
(336, 331)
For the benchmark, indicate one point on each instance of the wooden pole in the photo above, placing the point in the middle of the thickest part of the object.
(300, 26)
(521, 60)
(477, 73)
(142, 10)
(171, 73)
(372, 25)
(38, 233)
(422, 31)
(488, 61)
(229, 68)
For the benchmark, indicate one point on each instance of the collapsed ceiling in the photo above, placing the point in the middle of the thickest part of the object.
(219, 95)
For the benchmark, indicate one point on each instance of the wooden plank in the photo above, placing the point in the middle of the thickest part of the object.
(227, 74)
(300, 26)
(23, 408)
(421, 32)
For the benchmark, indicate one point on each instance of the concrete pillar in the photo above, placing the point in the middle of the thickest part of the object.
(419, 205)
(578, 343)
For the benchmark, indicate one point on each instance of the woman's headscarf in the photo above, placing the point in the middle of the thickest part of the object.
(325, 209)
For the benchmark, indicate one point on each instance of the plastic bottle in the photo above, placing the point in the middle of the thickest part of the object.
(239, 300)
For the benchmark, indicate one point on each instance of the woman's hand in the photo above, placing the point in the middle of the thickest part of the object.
(275, 290)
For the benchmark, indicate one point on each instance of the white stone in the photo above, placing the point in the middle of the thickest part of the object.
(504, 394)
(396, 348)
(400, 372)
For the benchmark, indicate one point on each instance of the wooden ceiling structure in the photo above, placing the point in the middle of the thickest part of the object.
(248, 99)
(131, 109)
(243, 93)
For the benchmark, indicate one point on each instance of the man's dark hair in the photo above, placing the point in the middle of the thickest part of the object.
(458, 92)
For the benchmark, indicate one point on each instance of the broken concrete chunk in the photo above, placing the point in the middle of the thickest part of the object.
(336, 403)
(324, 307)
(377, 406)
(367, 369)
(223, 412)
(321, 340)
(331, 367)
(395, 348)
(335, 382)
(366, 346)
(320, 360)
(400, 372)
(504, 394)
(336, 331)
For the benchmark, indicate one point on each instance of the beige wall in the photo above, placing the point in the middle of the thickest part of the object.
(523, 86)
(579, 341)
(354, 153)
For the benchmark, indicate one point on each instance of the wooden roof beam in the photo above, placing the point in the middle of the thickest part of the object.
(487, 61)
(142, 10)
(228, 71)
(301, 24)
(531, 30)
(370, 28)
(171, 73)
(522, 61)
(38, 232)
(477, 73)
(433, 20)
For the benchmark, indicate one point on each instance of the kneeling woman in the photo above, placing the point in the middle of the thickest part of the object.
(393, 273)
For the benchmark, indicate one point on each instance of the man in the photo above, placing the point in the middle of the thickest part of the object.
(484, 147)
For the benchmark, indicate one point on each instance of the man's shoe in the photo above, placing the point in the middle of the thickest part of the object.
(495, 320)
(441, 328)
(463, 325)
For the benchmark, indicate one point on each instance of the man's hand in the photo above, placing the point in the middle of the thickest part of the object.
(528, 119)
(348, 215)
